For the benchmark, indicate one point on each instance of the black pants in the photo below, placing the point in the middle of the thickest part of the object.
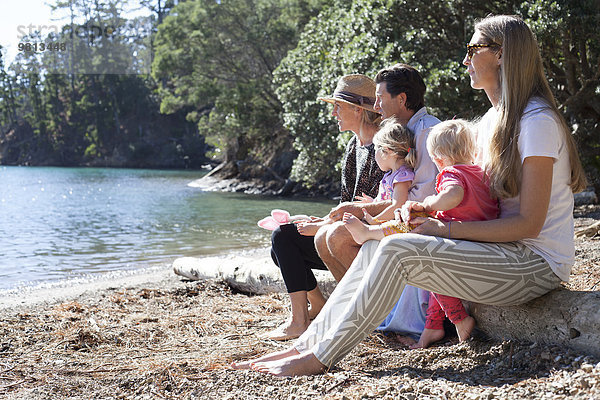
(296, 256)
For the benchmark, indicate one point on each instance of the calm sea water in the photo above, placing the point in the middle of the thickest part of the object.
(64, 223)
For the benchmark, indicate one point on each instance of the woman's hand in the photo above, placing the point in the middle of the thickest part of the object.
(431, 227)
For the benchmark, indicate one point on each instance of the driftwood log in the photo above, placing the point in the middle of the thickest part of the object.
(560, 317)
(250, 274)
(590, 231)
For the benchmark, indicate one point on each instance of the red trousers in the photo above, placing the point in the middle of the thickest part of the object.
(441, 306)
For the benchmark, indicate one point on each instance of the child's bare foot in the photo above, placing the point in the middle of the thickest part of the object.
(309, 228)
(267, 357)
(464, 328)
(359, 231)
(428, 337)
(296, 365)
(291, 329)
(369, 218)
(406, 340)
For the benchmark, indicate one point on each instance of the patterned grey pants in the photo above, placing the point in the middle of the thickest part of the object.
(489, 273)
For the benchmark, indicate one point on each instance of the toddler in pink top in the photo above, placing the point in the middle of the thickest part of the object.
(462, 195)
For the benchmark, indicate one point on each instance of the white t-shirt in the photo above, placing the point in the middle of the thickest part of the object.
(541, 136)
(425, 171)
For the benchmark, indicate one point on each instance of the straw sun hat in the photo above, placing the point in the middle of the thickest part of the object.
(356, 89)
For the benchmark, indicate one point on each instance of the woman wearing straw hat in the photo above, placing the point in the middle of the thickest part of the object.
(353, 101)
(295, 253)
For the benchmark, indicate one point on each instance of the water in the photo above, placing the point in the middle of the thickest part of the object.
(65, 223)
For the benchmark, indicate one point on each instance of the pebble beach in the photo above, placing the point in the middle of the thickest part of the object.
(157, 335)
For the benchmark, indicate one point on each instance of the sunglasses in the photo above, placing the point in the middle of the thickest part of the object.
(471, 48)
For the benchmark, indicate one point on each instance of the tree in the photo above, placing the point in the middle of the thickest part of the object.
(365, 35)
(56, 111)
(7, 97)
(568, 35)
(215, 60)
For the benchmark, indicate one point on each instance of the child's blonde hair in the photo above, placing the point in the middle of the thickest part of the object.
(397, 139)
(453, 140)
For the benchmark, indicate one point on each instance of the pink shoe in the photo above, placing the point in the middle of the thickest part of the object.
(268, 223)
(281, 216)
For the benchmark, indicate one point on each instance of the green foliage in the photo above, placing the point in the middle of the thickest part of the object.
(89, 119)
(215, 60)
(341, 40)
(366, 35)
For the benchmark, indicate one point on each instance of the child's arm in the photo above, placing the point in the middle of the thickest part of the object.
(447, 199)
(399, 197)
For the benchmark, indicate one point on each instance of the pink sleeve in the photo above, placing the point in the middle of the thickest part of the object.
(447, 179)
(404, 174)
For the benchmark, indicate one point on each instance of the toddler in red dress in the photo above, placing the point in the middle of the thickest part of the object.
(462, 195)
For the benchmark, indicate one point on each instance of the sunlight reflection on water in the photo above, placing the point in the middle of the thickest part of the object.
(57, 223)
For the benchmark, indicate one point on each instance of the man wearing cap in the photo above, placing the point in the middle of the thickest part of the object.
(400, 94)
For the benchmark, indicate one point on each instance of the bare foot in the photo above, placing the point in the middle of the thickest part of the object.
(464, 328)
(369, 218)
(309, 228)
(301, 364)
(359, 231)
(267, 357)
(406, 340)
(313, 311)
(428, 337)
(291, 329)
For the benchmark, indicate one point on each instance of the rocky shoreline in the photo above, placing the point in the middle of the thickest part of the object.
(252, 178)
(228, 177)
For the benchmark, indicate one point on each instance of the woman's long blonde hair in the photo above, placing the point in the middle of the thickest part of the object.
(521, 78)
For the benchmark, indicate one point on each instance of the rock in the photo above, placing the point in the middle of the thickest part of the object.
(587, 367)
(588, 196)
(589, 231)
(560, 317)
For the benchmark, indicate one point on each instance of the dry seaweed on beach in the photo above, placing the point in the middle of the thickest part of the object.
(178, 342)
(176, 339)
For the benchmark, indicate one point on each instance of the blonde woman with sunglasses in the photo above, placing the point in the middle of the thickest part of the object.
(534, 169)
